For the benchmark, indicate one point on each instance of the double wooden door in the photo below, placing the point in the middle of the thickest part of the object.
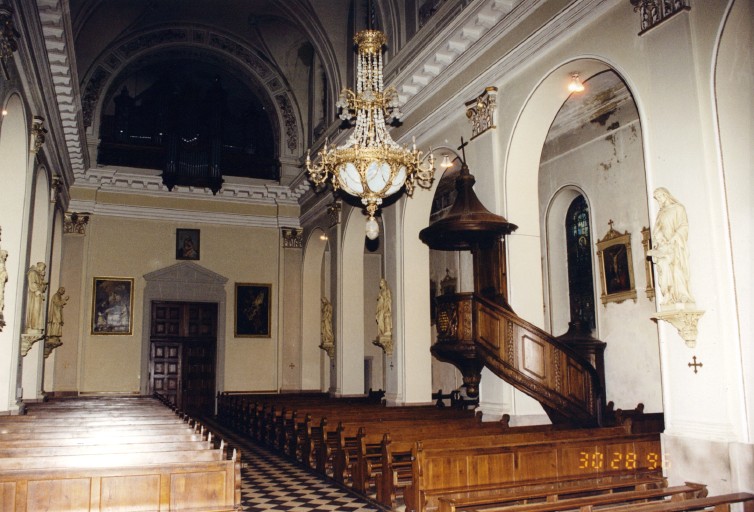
(182, 357)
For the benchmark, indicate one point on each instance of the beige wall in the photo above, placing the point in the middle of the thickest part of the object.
(128, 247)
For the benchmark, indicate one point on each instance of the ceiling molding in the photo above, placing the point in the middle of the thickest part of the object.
(56, 30)
(181, 215)
(552, 32)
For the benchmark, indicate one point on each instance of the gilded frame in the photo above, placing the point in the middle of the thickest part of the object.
(253, 310)
(112, 305)
(616, 267)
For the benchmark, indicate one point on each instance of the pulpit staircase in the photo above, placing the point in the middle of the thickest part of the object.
(481, 329)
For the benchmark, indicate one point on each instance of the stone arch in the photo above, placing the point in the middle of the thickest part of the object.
(521, 188)
(262, 77)
(184, 282)
(14, 175)
(349, 332)
(412, 331)
(315, 362)
(733, 81)
(534, 210)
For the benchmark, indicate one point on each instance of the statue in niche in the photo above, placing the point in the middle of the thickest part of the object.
(55, 315)
(55, 321)
(384, 318)
(384, 310)
(35, 297)
(669, 251)
(326, 332)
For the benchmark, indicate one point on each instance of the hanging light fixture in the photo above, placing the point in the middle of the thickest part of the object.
(575, 85)
(371, 165)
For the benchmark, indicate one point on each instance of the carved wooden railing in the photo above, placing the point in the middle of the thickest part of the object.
(533, 361)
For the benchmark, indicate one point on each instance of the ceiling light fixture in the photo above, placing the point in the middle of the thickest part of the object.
(370, 165)
(575, 85)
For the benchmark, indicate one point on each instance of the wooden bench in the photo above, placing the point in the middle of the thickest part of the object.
(719, 503)
(92, 455)
(523, 499)
(483, 496)
(471, 463)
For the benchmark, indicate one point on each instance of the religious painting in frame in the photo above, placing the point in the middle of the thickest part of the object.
(187, 244)
(112, 305)
(253, 310)
(616, 266)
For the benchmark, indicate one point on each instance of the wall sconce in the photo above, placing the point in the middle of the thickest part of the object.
(575, 85)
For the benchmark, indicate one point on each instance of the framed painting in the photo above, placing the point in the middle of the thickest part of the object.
(253, 310)
(112, 305)
(616, 267)
(186, 244)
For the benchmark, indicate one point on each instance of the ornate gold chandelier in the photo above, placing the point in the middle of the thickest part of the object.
(370, 165)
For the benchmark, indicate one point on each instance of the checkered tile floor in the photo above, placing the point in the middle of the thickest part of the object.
(273, 483)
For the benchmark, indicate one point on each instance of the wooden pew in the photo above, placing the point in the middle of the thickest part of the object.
(90, 454)
(577, 497)
(483, 496)
(719, 503)
(162, 486)
(393, 471)
(469, 462)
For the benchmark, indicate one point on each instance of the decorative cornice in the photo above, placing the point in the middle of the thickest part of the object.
(149, 182)
(179, 215)
(577, 13)
(56, 32)
(464, 38)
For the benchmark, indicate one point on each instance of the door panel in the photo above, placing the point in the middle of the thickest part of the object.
(166, 370)
(182, 355)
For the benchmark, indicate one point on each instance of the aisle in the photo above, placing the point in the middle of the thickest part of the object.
(273, 483)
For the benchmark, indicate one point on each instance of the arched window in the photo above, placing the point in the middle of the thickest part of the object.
(580, 278)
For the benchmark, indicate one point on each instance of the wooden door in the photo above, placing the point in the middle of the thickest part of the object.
(182, 363)
(165, 363)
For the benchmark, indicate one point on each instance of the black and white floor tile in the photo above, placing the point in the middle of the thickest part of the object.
(271, 482)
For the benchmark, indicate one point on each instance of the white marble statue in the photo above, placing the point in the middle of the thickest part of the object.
(669, 251)
(35, 298)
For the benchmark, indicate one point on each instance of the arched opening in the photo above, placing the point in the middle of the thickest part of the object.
(591, 185)
(580, 276)
(349, 333)
(733, 83)
(180, 113)
(315, 362)
(33, 359)
(14, 154)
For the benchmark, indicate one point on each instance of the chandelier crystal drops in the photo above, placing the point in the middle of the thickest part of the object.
(370, 165)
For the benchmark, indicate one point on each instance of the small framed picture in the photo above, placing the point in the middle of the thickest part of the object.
(616, 266)
(253, 310)
(112, 305)
(186, 244)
